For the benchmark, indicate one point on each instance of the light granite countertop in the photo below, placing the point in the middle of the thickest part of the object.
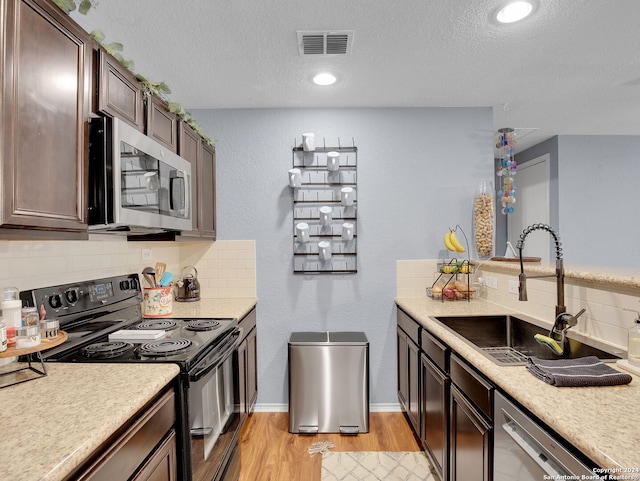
(51, 425)
(623, 277)
(228, 307)
(602, 422)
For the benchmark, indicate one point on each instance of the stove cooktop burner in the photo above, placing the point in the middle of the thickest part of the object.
(106, 350)
(202, 325)
(164, 347)
(161, 324)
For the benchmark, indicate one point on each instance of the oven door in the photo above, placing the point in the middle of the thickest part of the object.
(214, 411)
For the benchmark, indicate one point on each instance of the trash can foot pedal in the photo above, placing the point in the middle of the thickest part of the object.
(307, 429)
(349, 430)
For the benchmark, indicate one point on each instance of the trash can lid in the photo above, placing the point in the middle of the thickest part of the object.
(348, 337)
(324, 337)
(308, 337)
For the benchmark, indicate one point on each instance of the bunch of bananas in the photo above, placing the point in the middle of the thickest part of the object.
(451, 242)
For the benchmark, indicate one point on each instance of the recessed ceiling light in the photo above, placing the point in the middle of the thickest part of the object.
(324, 79)
(514, 11)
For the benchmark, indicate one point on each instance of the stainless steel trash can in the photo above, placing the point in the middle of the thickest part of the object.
(328, 382)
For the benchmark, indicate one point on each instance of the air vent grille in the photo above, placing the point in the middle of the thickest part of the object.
(329, 42)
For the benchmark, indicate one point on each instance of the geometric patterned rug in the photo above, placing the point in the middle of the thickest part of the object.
(376, 466)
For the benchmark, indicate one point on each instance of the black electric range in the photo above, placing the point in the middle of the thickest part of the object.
(104, 323)
(93, 312)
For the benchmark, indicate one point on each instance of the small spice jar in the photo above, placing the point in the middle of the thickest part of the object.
(27, 336)
(30, 316)
(49, 328)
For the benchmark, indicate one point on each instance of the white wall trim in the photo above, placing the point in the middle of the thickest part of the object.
(283, 408)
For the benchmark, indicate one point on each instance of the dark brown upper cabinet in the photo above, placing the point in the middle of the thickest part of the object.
(44, 108)
(202, 156)
(119, 92)
(207, 187)
(161, 125)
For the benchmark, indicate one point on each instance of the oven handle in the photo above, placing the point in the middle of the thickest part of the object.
(226, 349)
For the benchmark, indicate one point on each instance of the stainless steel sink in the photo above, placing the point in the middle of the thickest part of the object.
(508, 340)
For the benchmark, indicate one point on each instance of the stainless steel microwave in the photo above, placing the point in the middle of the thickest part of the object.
(136, 186)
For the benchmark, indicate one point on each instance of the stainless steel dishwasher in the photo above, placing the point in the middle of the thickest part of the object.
(523, 450)
(328, 382)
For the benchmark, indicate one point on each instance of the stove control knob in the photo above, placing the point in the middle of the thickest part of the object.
(134, 284)
(124, 285)
(55, 301)
(72, 295)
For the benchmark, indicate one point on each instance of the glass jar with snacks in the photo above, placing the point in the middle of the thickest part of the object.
(484, 220)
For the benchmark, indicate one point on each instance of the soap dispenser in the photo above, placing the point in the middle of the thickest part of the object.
(634, 343)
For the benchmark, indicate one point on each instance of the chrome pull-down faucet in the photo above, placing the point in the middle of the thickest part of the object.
(563, 320)
(559, 275)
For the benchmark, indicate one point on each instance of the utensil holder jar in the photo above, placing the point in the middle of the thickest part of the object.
(158, 301)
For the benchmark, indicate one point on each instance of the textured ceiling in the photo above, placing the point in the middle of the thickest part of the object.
(572, 67)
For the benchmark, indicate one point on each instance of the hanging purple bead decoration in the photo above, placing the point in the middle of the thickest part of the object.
(506, 169)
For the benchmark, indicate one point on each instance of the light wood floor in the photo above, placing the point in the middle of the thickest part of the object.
(268, 452)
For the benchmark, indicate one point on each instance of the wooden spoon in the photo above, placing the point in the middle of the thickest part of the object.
(160, 269)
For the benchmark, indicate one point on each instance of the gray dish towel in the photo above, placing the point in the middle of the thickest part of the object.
(584, 371)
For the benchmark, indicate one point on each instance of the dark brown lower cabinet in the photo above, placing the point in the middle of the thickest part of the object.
(471, 425)
(248, 363)
(143, 450)
(162, 465)
(448, 404)
(403, 368)
(470, 441)
(408, 336)
(408, 378)
(435, 416)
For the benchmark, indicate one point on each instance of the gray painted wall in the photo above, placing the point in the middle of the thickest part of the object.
(599, 198)
(417, 174)
(593, 196)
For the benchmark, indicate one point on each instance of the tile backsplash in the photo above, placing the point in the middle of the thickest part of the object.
(610, 309)
(225, 268)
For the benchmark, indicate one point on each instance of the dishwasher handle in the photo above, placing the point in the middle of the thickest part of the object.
(533, 449)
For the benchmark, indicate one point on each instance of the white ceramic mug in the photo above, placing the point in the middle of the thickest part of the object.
(295, 177)
(302, 232)
(333, 160)
(326, 215)
(308, 144)
(347, 231)
(153, 182)
(346, 196)
(324, 250)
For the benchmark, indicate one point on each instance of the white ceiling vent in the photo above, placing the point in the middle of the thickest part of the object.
(325, 42)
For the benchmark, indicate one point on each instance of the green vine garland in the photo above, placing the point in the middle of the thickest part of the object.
(161, 89)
